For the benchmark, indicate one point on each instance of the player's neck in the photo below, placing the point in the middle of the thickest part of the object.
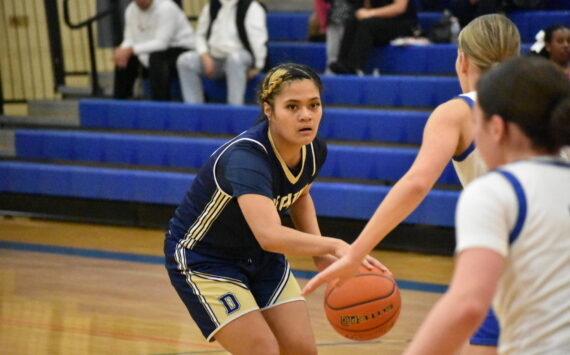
(289, 153)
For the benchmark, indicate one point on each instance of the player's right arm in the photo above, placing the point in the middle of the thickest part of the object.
(440, 141)
(265, 223)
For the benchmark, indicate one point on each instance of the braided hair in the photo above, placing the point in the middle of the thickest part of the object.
(278, 76)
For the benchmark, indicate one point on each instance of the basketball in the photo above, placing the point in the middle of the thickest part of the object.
(365, 307)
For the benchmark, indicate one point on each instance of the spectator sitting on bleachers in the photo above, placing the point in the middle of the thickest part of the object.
(375, 23)
(156, 33)
(338, 12)
(231, 42)
(467, 10)
(554, 43)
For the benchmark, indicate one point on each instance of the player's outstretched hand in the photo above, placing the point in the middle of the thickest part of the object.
(341, 270)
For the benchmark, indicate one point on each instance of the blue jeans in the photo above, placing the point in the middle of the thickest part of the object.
(234, 68)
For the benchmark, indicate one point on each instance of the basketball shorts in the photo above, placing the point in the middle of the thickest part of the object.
(488, 332)
(217, 290)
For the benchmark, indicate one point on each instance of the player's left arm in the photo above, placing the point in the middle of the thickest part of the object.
(463, 307)
(304, 217)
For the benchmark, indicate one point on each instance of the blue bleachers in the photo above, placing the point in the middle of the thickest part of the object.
(412, 60)
(389, 90)
(338, 123)
(413, 80)
(294, 26)
(349, 162)
(338, 200)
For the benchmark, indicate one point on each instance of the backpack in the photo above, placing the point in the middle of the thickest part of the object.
(445, 30)
(242, 7)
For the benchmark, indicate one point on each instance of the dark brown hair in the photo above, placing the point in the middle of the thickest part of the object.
(533, 93)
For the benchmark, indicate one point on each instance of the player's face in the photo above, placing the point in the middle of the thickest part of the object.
(296, 113)
(559, 46)
(484, 140)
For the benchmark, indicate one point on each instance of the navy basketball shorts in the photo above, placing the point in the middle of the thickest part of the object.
(217, 290)
(488, 333)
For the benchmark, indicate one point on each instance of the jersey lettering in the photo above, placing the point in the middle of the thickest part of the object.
(286, 201)
(230, 302)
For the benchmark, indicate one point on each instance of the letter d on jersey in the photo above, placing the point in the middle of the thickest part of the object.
(230, 302)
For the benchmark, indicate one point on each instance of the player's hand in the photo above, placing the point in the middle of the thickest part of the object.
(323, 261)
(342, 269)
(208, 65)
(341, 248)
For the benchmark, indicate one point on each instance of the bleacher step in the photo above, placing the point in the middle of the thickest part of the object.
(38, 121)
(51, 108)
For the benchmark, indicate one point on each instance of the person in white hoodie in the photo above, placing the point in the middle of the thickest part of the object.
(231, 42)
(156, 33)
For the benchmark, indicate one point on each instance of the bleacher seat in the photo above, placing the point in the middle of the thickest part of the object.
(413, 80)
(343, 161)
(294, 26)
(337, 200)
(431, 59)
(374, 125)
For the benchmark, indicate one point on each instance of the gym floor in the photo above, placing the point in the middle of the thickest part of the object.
(73, 288)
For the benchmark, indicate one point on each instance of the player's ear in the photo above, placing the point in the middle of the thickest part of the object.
(498, 128)
(463, 62)
(267, 110)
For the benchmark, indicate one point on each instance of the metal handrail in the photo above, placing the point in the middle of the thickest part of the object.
(87, 22)
(96, 89)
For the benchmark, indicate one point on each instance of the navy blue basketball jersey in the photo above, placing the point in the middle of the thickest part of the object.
(209, 220)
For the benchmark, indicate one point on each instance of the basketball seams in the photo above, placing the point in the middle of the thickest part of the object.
(363, 319)
(363, 302)
(395, 315)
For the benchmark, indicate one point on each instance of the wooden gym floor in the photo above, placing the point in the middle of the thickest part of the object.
(71, 288)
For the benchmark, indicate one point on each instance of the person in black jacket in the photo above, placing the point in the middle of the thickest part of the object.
(375, 23)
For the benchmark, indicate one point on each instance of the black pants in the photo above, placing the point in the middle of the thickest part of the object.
(360, 36)
(161, 69)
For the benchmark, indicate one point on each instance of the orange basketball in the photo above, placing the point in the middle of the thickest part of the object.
(365, 307)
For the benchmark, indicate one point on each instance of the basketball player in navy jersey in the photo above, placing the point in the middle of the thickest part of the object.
(225, 244)
(513, 223)
(448, 135)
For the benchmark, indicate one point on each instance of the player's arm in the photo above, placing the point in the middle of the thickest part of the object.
(439, 144)
(463, 307)
(486, 213)
(265, 223)
(440, 140)
(304, 217)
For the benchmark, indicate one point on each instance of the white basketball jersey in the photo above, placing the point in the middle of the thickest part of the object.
(522, 211)
(469, 164)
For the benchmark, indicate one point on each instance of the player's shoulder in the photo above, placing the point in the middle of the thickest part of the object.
(452, 112)
(487, 184)
(320, 145)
